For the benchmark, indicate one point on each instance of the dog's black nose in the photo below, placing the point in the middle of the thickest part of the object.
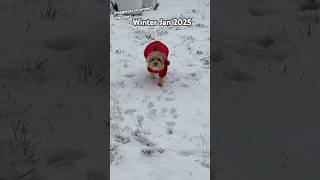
(155, 63)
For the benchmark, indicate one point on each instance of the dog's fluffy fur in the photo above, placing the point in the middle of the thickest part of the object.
(155, 60)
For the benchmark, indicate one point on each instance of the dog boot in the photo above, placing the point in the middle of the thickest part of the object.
(160, 82)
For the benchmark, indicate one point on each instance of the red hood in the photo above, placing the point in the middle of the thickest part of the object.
(156, 46)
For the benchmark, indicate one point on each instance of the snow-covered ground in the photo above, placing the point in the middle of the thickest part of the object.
(161, 133)
(266, 89)
(52, 76)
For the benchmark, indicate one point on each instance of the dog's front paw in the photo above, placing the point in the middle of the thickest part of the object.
(160, 82)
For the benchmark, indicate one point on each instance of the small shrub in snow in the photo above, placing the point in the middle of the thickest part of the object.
(18, 154)
(49, 11)
(307, 5)
(121, 139)
(151, 151)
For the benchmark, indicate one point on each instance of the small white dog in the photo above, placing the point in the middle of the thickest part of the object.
(156, 54)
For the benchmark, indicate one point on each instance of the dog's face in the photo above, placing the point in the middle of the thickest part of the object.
(155, 60)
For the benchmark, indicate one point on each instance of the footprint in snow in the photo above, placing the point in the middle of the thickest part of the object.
(184, 85)
(171, 92)
(129, 75)
(146, 98)
(145, 141)
(130, 111)
(121, 139)
(140, 118)
(164, 110)
(170, 125)
(169, 130)
(152, 113)
(170, 98)
(205, 164)
(173, 112)
(150, 105)
(186, 152)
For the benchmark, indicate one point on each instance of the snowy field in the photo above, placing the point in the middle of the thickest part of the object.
(52, 76)
(161, 133)
(266, 89)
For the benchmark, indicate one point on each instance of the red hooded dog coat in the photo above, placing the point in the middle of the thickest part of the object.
(158, 46)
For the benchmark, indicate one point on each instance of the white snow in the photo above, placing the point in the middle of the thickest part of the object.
(172, 122)
(266, 84)
(42, 60)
